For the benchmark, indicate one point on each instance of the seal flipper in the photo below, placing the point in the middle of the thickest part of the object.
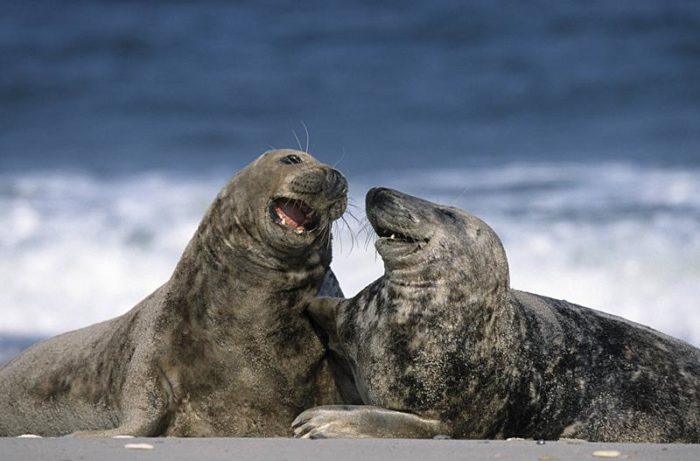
(324, 312)
(324, 308)
(146, 404)
(364, 421)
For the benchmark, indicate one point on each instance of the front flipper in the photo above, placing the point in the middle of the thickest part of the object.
(140, 425)
(145, 404)
(324, 312)
(361, 421)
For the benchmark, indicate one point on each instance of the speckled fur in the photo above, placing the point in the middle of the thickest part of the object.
(441, 336)
(223, 348)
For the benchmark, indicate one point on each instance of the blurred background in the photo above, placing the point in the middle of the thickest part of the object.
(572, 127)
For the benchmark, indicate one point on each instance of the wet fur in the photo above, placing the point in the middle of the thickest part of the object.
(223, 348)
(441, 336)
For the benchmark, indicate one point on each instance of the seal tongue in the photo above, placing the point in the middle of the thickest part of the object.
(293, 215)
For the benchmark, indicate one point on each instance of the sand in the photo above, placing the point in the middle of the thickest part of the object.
(230, 449)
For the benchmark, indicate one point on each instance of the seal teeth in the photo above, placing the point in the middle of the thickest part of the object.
(392, 237)
(296, 215)
(299, 229)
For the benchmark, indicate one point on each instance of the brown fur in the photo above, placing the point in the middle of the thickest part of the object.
(221, 349)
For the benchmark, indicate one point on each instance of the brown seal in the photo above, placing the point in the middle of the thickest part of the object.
(441, 345)
(223, 347)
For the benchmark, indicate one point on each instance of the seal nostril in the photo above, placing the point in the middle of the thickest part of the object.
(382, 195)
(337, 185)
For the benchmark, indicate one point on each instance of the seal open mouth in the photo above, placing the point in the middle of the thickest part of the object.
(395, 236)
(294, 214)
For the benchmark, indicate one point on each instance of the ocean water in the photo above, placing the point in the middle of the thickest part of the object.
(78, 249)
(573, 128)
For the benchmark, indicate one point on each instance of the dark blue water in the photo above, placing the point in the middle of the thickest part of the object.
(10, 345)
(120, 86)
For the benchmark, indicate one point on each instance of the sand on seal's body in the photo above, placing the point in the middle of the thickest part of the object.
(441, 345)
(223, 347)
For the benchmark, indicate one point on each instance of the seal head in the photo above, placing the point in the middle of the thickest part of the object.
(280, 208)
(427, 245)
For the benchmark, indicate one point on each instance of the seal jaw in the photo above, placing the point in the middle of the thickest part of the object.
(394, 245)
(400, 229)
(395, 236)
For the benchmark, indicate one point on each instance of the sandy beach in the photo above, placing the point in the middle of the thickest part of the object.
(213, 449)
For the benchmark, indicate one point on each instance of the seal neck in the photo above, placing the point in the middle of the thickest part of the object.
(483, 303)
(217, 278)
(228, 243)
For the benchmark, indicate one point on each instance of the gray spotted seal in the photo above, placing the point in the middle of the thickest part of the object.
(441, 345)
(222, 348)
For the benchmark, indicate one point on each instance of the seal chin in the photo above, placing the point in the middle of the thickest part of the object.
(294, 215)
(398, 221)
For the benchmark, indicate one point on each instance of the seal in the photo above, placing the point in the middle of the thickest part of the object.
(224, 346)
(440, 345)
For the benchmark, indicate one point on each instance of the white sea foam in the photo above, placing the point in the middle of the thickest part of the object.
(77, 249)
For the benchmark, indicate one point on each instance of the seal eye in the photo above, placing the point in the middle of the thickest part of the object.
(449, 214)
(291, 160)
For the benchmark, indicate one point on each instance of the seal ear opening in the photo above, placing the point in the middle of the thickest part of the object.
(449, 214)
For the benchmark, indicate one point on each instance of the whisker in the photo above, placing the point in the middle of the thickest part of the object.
(348, 212)
(297, 138)
(368, 241)
(455, 201)
(365, 226)
(308, 138)
(341, 158)
(328, 236)
(370, 235)
(350, 231)
(337, 235)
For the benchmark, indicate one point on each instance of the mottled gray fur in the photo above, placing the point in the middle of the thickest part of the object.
(441, 345)
(223, 348)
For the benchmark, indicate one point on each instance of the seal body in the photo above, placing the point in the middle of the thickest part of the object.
(441, 345)
(222, 348)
